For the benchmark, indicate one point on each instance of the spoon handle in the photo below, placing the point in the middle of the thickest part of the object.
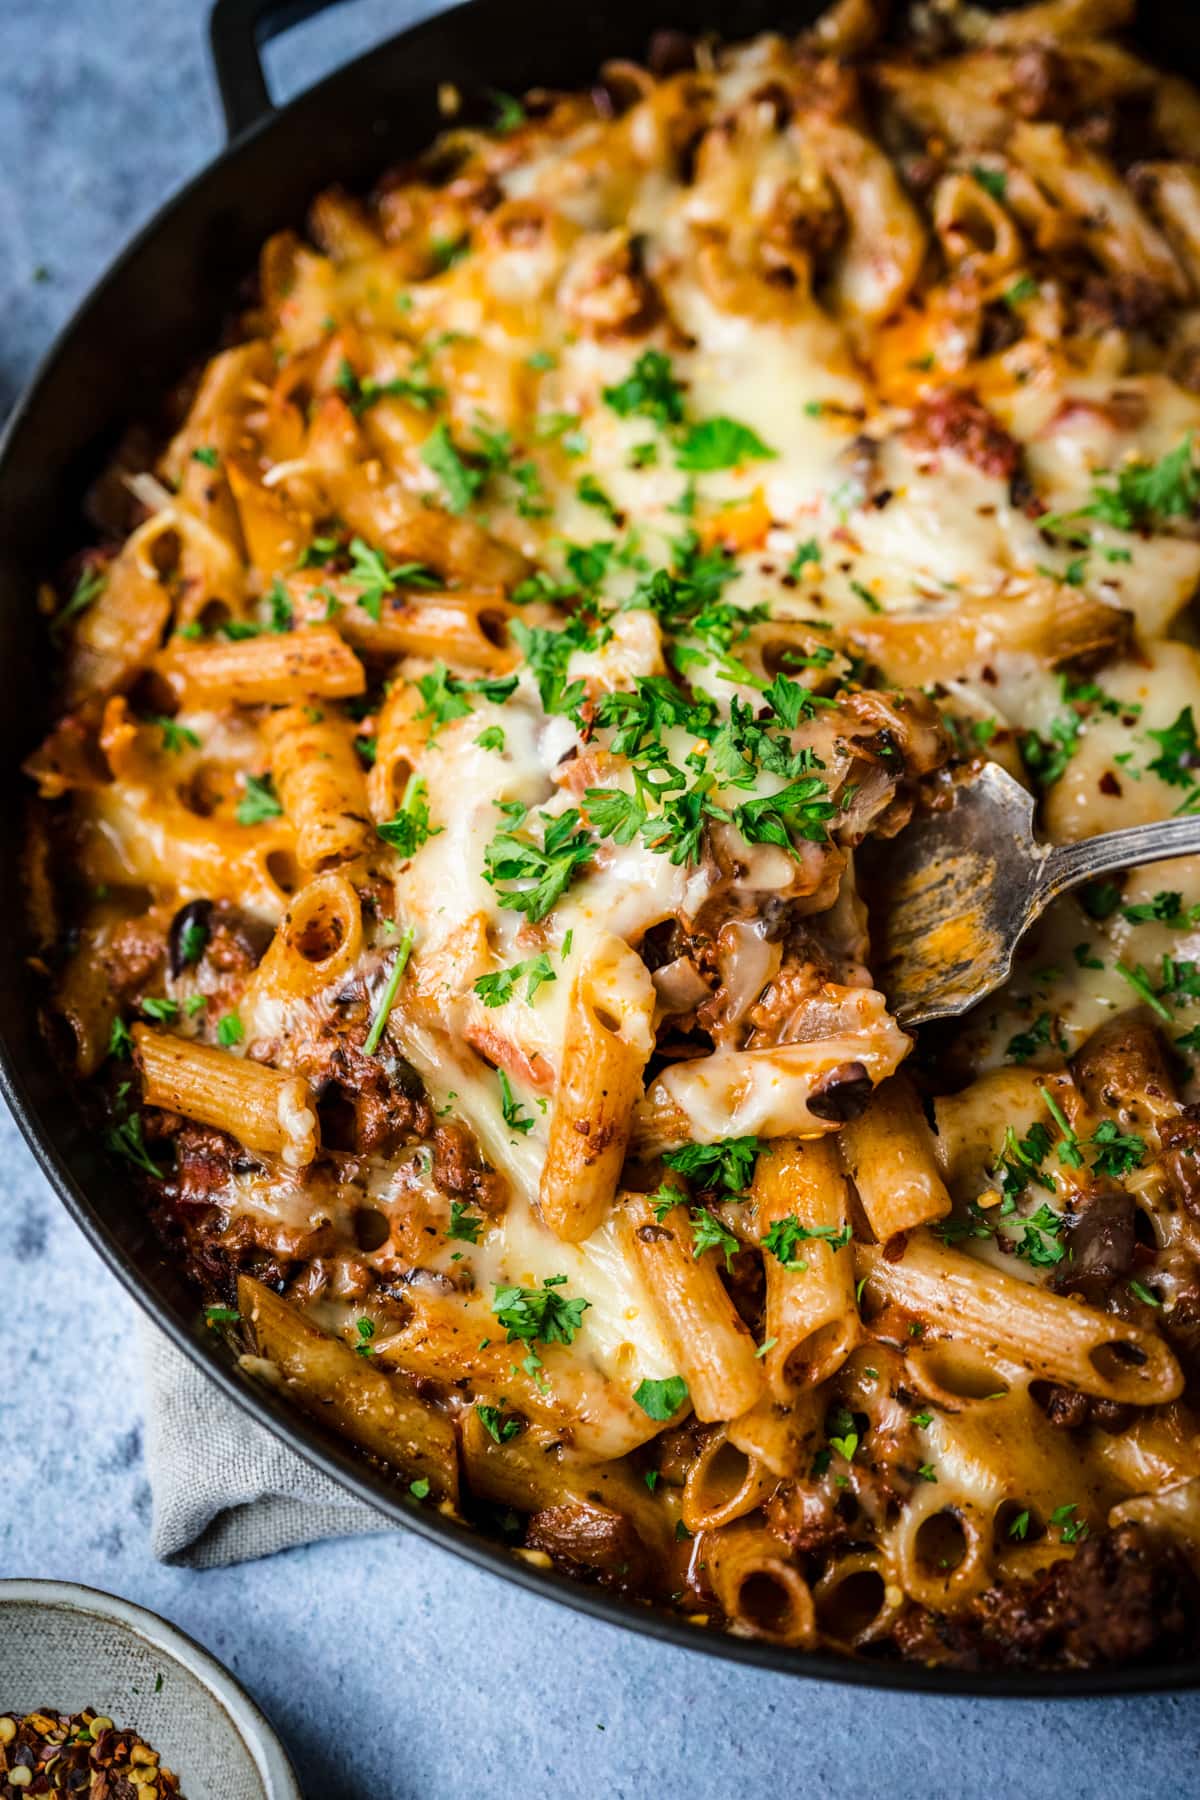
(1069, 864)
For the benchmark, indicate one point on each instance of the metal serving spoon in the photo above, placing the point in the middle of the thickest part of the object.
(956, 891)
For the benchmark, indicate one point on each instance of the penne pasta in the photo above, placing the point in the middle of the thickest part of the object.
(605, 1046)
(265, 1109)
(272, 670)
(889, 1152)
(320, 781)
(811, 1317)
(712, 1348)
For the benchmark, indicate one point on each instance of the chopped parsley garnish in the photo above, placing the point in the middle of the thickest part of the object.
(370, 574)
(1143, 1294)
(491, 738)
(649, 391)
(120, 1041)
(1100, 899)
(591, 493)
(464, 1225)
(807, 552)
(1026, 1044)
(1165, 908)
(992, 181)
(221, 1315)
(206, 454)
(230, 1031)
(782, 1238)
(1144, 494)
(1143, 987)
(193, 940)
(409, 827)
(164, 1012)
(360, 394)
(391, 988)
(419, 1489)
(511, 1110)
(448, 696)
(1072, 1530)
(720, 443)
(366, 1331)
(547, 869)
(1178, 759)
(728, 1165)
(495, 1424)
(661, 1400)
(500, 986)
(87, 589)
(708, 1233)
(1116, 1154)
(508, 111)
(175, 737)
(460, 481)
(259, 802)
(127, 1139)
(539, 1315)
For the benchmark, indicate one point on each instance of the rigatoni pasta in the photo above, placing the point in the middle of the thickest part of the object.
(453, 863)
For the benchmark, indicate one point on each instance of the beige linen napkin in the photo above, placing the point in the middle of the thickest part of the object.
(225, 1490)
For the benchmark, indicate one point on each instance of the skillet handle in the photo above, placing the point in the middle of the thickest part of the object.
(237, 31)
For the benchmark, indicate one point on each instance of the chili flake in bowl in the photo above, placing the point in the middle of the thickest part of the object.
(83, 1754)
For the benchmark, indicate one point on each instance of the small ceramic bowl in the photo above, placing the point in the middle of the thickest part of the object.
(67, 1647)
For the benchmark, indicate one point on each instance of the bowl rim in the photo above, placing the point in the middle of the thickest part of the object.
(288, 1423)
(254, 1730)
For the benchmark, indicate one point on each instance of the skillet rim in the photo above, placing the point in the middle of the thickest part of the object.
(288, 1422)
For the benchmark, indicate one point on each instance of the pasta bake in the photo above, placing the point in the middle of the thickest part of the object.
(483, 704)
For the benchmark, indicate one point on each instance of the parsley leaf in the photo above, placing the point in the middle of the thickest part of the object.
(720, 443)
(511, 1110)
(500, 986)
(464, 1225)
(495, 1424)
(370, 574)
(409, 827)
(1178, 759)
(728, 1165)
(460, 481)
(661, 1400)
(549, 868)
(446, 696)
(259, 802)
(1116, 1154)
(649, 391)
(781, 1239)
(539, 1315)
(992, 181)
(708, 1233)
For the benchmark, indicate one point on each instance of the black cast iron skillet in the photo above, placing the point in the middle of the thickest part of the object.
(159, 308)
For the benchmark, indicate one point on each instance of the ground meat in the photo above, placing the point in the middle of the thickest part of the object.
(458, 1169)
(236, 942)
(204, 1161)
(366, 1103)
(1125, 1597)
(956, 419)
(803, 1515)
(135, 954)
(1180, 1140)
(1070, 1410)
(1122, 300)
